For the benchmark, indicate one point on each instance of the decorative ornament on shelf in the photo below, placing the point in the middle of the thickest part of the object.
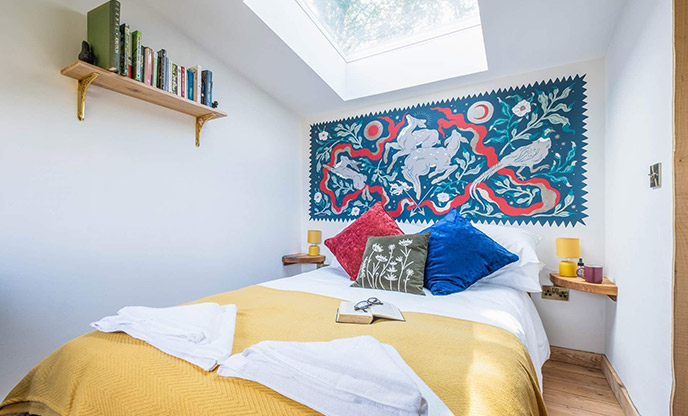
(215, 104)
(580, 269)
(86, 54)
(568, 248)
(314, 239)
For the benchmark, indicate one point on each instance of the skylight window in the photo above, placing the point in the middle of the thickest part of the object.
(366, 47)
(361, 28)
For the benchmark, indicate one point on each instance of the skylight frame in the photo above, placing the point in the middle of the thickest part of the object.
(456, 54)
(458, 25)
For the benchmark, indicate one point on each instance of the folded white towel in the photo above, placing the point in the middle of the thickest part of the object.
(201, 334)
(350, 376)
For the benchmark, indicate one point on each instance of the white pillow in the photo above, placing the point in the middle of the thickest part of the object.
(334, 263)
(523, 274)
(335, 267)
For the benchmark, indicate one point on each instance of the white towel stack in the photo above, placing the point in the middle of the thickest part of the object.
(201, 334)
(350, 376)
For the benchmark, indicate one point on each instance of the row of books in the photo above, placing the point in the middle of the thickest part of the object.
(116, 48)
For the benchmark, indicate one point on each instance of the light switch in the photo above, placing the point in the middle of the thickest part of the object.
(656, 175)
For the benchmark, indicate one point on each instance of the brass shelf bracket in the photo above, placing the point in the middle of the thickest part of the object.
(81, 94)
(200, 121)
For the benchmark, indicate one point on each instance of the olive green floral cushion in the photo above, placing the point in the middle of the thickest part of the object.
(394, 263)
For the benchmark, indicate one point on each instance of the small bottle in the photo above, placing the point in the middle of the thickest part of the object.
(580, 270)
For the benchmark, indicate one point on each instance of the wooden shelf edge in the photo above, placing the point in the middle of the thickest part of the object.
(607, 287)
(302, 258)
(79, 70)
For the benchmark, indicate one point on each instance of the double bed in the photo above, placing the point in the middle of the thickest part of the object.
(481, 351)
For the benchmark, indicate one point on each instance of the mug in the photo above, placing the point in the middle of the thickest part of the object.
(593, 274)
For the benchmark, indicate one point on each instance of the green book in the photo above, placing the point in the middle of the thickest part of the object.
(137, 55)
(124, 50)
(103, 35)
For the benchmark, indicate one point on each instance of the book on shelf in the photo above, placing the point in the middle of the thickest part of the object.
(347, 313)
(189, 84)
(175, 80)
(162, 69)
(168, 68)
(203, 87)
(124, 50)
(182, 85)
(142, 59)
(196, 75)
(207, 88)
(154, 76)
(179, 80)
(158, 79)
(147, 65)
(103, 35)
(137, 55)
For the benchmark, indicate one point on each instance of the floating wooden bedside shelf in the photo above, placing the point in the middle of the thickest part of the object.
(87, 74)
(302, 258)
(607, 287)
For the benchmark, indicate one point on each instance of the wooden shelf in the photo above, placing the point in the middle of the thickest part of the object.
(607, 287)
(88, 74)
(301, 258)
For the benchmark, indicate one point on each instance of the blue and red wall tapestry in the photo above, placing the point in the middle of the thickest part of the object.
(513, 155)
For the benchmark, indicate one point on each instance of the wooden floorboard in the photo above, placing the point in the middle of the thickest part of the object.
(572, 368)
(570, 389)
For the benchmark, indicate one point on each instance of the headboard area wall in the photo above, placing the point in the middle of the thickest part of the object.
(525, 151)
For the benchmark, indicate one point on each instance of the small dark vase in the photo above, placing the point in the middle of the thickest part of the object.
(86, 53)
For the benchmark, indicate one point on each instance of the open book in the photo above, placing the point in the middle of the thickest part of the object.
(347, 314)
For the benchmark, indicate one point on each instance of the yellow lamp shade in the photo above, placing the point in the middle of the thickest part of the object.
(568, 247)
(313, 236)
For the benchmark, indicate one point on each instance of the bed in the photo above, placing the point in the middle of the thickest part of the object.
(481, 352)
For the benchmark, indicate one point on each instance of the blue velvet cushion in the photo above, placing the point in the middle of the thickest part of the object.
(460, 255)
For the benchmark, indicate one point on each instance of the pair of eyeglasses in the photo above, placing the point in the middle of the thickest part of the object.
(365, 304)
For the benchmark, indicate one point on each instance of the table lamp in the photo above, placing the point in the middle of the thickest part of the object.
(568, 248)
(314, 240)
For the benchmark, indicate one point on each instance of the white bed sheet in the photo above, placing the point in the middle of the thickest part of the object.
(501, 306)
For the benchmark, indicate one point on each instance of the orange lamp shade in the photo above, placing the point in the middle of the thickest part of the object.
(568, 247)
(314, 237)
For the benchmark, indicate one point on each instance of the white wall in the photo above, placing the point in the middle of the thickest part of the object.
(639, 230)
(578, 323)
(122, 208)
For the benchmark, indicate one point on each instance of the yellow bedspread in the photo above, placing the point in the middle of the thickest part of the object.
(476, 369)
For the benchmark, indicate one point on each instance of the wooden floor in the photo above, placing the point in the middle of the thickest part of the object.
(574, 390)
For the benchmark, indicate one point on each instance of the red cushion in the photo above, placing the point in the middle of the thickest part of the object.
(348, 246)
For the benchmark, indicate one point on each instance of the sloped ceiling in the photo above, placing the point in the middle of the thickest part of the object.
(520, 36)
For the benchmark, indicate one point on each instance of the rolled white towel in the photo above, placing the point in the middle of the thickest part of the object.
(346, 376)
(201, 334)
